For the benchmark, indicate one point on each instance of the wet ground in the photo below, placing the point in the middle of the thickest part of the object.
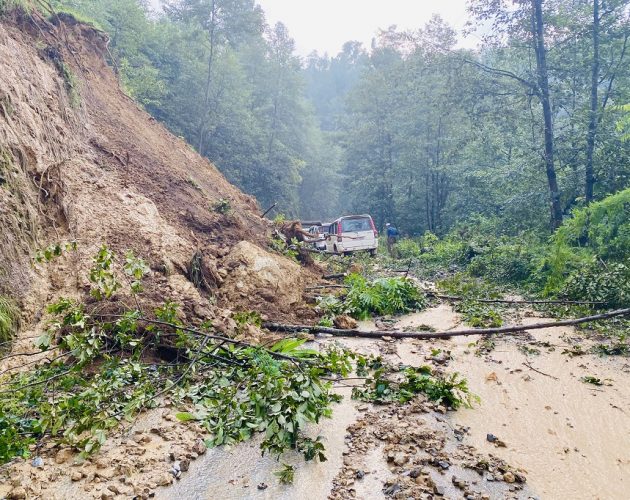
(570, 438)
(567, 438)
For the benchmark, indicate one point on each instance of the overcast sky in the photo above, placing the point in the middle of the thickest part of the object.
(324, 25)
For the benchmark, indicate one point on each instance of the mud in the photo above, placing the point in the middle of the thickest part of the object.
(567, 439)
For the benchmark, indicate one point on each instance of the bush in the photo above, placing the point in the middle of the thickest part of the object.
(602, 227)
(599, 282)
(383, 296)
(505, 262)
(408, 249)
(599, 231)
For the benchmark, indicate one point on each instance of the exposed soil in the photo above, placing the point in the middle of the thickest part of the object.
(81, 161)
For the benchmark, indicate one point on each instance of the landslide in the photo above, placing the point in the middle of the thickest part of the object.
(80, 161)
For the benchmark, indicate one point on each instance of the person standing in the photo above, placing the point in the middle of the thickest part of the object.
(392, 237)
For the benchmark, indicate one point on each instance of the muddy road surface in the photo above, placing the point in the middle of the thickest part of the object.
(538, 430)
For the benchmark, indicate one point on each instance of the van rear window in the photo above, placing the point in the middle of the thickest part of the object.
(355, 225)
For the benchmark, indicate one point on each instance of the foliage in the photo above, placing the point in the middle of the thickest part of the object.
(8, 319)
(408, 248)
(479, 315)
(450, 390)
(286, 474)
(102, 275)
(222, 206)
(589, 379)
(248, 318)
(380, 297)
(600, 282)
(475, 313)
(53, 251)
(9, 5)
(289, 249)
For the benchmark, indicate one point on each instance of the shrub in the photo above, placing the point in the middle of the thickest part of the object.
(382, 296)
(599, 282)
(408, 249)
(8, 319)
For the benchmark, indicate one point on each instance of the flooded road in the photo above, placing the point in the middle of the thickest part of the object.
(571, 438)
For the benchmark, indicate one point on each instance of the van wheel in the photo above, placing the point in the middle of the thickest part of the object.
(335, 249)
(373, 252)
(347, 254)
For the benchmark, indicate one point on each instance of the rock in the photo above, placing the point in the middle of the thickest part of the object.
(114, 489)
(400, 459)
(184, 465)
(415, 473)
(491, 438)
(359, 474)
(508, 477)
(344, 322)
(38, 462)
(165, 479)
(262, 486)
(444, 464)
(17, 493)
(63, 456)
(199, 447)
(107, 495)
(392, 489)
(439, 490)
(76, 476)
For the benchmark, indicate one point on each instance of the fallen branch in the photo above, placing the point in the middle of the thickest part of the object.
(538, 371)
(513, 301)
(434, 335)
(323, 287)
(334, 276)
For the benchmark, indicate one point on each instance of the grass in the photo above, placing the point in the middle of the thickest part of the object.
(9, 5)
(8, 319)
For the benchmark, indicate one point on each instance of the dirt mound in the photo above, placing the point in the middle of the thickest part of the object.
(80, 161)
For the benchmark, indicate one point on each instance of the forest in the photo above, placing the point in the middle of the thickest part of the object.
(412, 129)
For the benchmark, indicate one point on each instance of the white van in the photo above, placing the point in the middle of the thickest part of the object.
(352, 233)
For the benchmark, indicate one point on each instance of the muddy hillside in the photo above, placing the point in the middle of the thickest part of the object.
(80, 161)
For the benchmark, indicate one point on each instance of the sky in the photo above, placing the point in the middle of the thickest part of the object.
(324, 25)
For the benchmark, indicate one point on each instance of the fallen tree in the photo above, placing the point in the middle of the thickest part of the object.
(513, 301)
(433, 335)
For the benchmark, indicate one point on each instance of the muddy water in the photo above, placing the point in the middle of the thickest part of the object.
(572, 438)
(237, 473)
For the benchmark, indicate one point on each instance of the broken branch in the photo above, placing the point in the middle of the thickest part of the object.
(433, 335)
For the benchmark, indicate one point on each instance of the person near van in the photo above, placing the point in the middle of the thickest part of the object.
(392, 236)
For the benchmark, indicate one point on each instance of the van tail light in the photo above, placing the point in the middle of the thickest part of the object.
(373, 228)
(339, 238)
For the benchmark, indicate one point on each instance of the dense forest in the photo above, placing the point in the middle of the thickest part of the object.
(412, 129)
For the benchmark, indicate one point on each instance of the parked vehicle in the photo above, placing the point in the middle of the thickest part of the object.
(352, 233)
(319, 231)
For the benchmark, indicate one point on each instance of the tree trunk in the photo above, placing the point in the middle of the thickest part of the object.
(202, 122)
(543, 89)
(592, 122)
